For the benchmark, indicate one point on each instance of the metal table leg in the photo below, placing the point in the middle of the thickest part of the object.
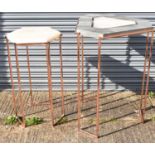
(98, 87)
(11, 77)
(48, 61)
(82, 60)
(145, 85)
(19, 86)
(81, 97)
(144, 77)
(49, 80)
(29, 73)
(78, 84)
(145, 94)
(61, 78)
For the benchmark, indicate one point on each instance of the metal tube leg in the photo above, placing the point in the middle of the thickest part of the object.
(61, 77)
(78, 82)
(29, 72)
(11, 77)
(144, 77)
(49, 80)
(148, 75)
(82, 69)
(98, 86)
(19, 85)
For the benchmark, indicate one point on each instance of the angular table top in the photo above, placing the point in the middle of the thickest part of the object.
(104, 25)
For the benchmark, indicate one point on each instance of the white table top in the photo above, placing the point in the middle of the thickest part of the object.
(95, 25)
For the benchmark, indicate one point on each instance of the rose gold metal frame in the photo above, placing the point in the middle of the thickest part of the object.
(61, 77)
(29, 72)
(144, 95)
(144, 88)
(11, 77)
(48, 61)
(82, 44)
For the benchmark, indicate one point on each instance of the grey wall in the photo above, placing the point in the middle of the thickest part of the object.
(122, 58)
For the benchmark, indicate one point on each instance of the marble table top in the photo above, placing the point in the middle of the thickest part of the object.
(95, 25)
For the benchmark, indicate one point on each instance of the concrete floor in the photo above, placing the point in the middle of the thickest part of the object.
(119, 119)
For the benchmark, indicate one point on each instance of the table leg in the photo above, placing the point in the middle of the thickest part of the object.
(98, 86)
(19, 86)
(49, 80)
(144, 78)
(11, 77)
(148, 75)
(29, 73)
(61, 77)
(78, 82)
(82, 68)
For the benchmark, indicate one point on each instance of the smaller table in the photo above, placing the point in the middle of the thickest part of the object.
(31, 36)
(109, 26)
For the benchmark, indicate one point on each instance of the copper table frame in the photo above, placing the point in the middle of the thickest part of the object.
(146, 70)
(47, 46)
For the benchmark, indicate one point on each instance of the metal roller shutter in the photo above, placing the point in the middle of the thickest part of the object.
(122, 58)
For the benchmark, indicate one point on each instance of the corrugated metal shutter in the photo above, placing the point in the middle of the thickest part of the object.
(122, 58)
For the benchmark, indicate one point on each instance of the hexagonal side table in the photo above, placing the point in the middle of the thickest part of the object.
(30, 36)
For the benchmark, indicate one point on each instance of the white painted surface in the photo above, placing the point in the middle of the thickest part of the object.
(106, 22)
(33, 35)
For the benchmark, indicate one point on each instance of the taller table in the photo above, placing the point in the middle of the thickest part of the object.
(109, 26)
